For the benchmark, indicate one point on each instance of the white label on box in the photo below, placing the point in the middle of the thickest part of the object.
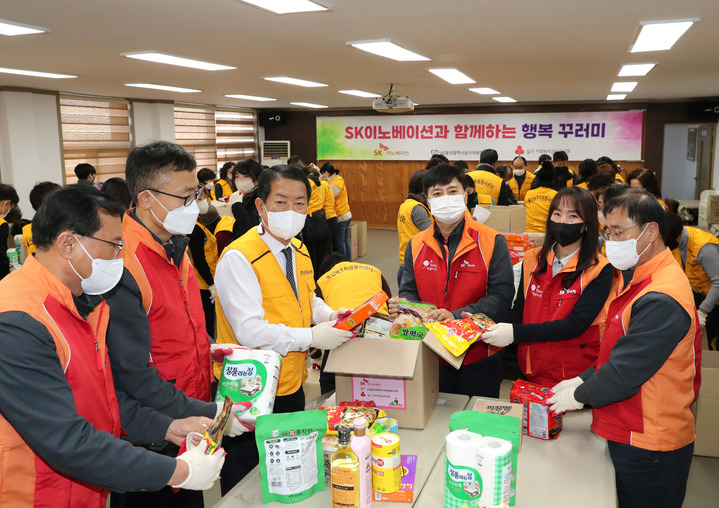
(538, 421)
(291, 463)
(386, 393)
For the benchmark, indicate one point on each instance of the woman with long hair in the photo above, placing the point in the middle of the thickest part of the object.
(341, 237)
(564, 286)
(225, 186)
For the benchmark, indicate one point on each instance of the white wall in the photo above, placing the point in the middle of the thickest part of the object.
(153, 121)
(678, 172)
(30, 150)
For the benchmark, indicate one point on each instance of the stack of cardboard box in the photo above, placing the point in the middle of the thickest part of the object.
(518, 244)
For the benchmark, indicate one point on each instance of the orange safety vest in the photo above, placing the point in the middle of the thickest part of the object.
(26, 479)
(317, 198)
(278, 302)
(342, 205)
(546, 299)
(659, 416)
(698, 278)
(526, 185)
(27, 239)
(226, 187)
(405, 227)
(330, 212)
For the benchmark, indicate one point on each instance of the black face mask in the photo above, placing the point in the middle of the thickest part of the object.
(472, 201)
(565, 234)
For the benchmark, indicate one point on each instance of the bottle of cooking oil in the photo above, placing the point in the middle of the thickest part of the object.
(345, 473)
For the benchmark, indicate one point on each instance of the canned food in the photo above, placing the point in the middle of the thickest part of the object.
(386, 463)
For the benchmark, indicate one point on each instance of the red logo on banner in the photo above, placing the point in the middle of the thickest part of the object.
(519, 150)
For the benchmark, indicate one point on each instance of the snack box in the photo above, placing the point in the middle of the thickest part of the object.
(361, 313)
(537, 420)
(405, 494)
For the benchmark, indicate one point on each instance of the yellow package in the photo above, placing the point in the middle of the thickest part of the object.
(458, 334)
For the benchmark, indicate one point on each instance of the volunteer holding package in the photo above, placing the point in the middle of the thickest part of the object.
(646, 376)
(564, 286)
(460, 266)
(61, 417)
(265, 300)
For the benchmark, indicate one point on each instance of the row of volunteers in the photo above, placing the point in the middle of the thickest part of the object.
(619, 333)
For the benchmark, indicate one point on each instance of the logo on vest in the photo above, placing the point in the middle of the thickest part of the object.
(430, 266)
(536, 291)
(568, 291)
(467, 264)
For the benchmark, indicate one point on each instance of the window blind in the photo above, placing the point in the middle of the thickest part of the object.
(236, 135)
(195, 132)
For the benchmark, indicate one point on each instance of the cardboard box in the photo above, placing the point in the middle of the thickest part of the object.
(507, 219)
(712, 213)
(354, 240)
(405, 494)
(707, 407)
(362, 312)
(400, 376)
(361, 238)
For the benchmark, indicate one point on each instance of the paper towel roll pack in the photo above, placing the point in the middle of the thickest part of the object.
(478, 470)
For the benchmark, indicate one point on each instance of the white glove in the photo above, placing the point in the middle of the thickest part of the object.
(204, 470)
(339, 313)
(213, 293)
(324, 336)
(235, 197)
(234, 426)
(564, 401)
(575, 381)
(702, 319)
(499, 335)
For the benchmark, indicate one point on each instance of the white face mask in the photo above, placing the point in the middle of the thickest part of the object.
(448, 209)
(105, 275)
(285, 225)
(180, 221)
(3, 215)
(244, 186)
(519, 172)
(203, 206)
(623, 254)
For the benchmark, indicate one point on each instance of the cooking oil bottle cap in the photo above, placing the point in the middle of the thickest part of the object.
(344, 434)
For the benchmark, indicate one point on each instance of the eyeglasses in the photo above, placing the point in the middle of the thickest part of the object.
(198, 194)
(616, 233)
(118, 245)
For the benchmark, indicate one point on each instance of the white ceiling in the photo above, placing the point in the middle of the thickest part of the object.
(534, 51)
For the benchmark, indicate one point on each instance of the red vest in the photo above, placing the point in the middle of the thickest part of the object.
(27, 480)
(546, 299)
(180, 348)
(465, 281)
(659, 416)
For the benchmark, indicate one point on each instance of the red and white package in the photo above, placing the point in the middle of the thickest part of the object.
(537, 419)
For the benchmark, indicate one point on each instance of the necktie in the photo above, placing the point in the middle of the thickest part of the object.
(289, 271)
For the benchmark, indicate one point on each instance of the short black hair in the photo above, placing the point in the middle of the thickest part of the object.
(560, 156)
(72, 208)
(327, 167)
(264, 184)
(546, 176)
(40, 192)
(599, 181)
(641, 206)
(9, 192)
(675, 225)
(84, 170)
(587, 169)
(148, 163)
(544, 157)
(443, 174)
(488, 156)
(206, 175)
(329, 262)
(503, 170)
(117, 189)
(601, 161)
(416, 181)
(248, 167)
(470, 182)
(437, 158)
(461, 164)
(520, 157)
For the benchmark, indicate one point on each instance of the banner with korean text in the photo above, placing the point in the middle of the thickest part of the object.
(583, 135)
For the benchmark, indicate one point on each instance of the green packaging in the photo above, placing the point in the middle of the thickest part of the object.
(291, 455)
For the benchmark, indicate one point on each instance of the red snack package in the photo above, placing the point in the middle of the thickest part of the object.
(537, 420)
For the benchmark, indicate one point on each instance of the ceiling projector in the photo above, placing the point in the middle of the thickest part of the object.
(392, 103)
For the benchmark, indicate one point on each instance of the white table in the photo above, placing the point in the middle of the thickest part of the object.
(572, 470)
(427, 444)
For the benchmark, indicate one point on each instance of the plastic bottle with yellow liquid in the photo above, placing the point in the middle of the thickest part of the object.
(345, 473)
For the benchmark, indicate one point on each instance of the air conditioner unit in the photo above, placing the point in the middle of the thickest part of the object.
(275, 152)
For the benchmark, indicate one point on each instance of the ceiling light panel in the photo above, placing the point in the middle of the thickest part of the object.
(624, 86)
(165, 58)
(660, 36)
(616, 97)
(485, 91)
(294, 81)
(308, 105)
(360, 93)
(452, 76)
(388, 49)
(35, 74)
(11, 28)
(250, 98)
(163, 87)
(287, 6)
(635, 69)
(504, 99)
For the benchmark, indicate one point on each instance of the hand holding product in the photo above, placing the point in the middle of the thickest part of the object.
(564, 401)
(204, 469)
(499, 335)
(325, 336)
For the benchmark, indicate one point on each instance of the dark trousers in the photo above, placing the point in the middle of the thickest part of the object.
(209, 309)
(399, 276)
(341, 239)
(242, 456)
(318, 251)
(479, 378)
(327, 379)
(647, 478)
(712, 327)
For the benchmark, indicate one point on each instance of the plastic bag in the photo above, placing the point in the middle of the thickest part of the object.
(409, 323)
(458, 334)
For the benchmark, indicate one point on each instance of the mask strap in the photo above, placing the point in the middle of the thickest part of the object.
(645, 248)
(86, 253)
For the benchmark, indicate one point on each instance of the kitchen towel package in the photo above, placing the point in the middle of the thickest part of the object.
(291, 457)
(250, 375)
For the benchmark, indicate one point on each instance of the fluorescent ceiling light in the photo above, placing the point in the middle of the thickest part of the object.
(163, 87)
(388, 49)
(250, 98)
(660, 36)
(164, 58)
(360, 93)
(287, 6)
(35, 73)
(308, 105)
(636, 69)
(624, 86)
(11, 28)
(503, 99)
(452, 76)
(484, 91)
(295, 81)
(616, 97)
